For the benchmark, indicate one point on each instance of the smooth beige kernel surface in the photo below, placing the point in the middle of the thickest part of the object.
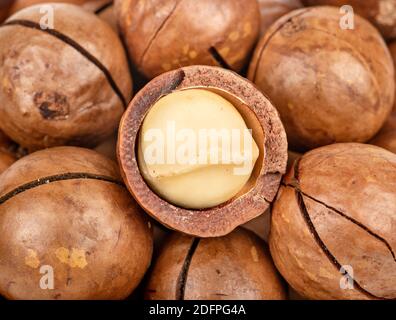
(199, 181)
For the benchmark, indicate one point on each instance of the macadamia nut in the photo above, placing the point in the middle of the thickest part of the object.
(329, 84)
(66, 209)
(234, 267)
(63, 85)
(163, 35)
(334, 223)
(202, 142)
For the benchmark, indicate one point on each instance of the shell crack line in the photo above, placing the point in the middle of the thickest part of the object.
(219, 59)
(62, 37)
(103, 7)
(296, 185)
(359, 224)
(271, 36)
(182, 279)
(159, 30)
(322, 245)
(55, 178)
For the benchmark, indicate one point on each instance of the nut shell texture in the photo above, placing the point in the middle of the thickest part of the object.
(66, 208)
(380, 12)
(162, 35)
(67, 85)
(222, 219)
(21, 4)
(386, 138)
(337, 208)
(235, 267)
(271, 10)
(329, 84)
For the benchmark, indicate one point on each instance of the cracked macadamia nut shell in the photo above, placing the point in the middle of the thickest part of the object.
(329, 84)
(272, 10)
(235, 267)
(379, 12)
(63, 86)
(259, 115)
(163, 35)
(337, 208)
(66, 209)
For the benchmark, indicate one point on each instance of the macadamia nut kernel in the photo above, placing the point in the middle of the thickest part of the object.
(204, 140)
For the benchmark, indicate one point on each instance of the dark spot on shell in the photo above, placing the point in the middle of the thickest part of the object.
(52, 105)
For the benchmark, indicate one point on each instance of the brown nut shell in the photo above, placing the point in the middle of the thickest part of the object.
(65, 208)
(7, 152)
(108, 148)
(329, 84)
(337, 208)
(21, 4)
(386, 138)
(260, 225)
(5, 6)
(6, 159)
(104, 9)
(272, 10)
(67, 85)
(163, 35)
(235, 267)
(380, 12)
(260, 116)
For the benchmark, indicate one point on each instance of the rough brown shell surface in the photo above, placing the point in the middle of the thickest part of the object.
(222, 219)
(271, 10)
(21, 4)
(337, 208)
(163, 35)
(237, 266)
(67, 85)
(329, 84)
(66, 208)
(382, 13)
(260, 225)
(103, 9)
(6, 159)
(386, 138)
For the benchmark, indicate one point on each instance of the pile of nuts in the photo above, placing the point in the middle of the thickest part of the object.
(266, 141)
